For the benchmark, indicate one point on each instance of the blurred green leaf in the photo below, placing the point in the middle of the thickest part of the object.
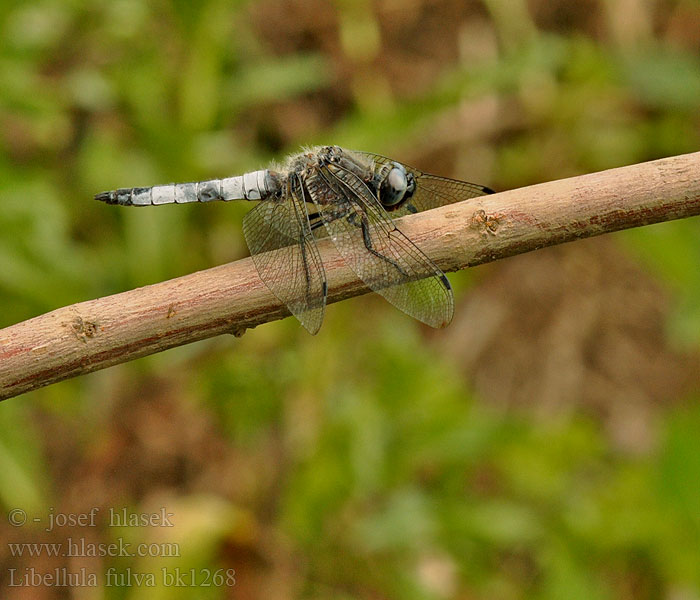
(679, 469)
(664, 78)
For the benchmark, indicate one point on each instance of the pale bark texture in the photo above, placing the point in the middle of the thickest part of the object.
(231, 298)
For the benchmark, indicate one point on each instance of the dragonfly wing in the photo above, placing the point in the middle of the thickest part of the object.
(285, 255)
(431, 190)
(383, 257)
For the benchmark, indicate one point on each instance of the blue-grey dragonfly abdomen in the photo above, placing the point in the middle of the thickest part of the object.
(256, 185)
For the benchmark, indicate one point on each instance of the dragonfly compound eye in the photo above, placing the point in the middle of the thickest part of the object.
(393, 189)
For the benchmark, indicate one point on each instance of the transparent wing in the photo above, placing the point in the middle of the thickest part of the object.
(285, 254)
(431, 191)
(383, 257)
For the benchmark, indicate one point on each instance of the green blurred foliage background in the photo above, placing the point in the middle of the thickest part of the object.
(544, 446)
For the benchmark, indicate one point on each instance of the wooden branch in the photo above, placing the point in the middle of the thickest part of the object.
(99, 333)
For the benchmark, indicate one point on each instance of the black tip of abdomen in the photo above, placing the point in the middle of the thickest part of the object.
(108, 197)
(121, 196)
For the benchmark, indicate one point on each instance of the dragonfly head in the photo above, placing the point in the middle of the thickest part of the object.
(396, 187)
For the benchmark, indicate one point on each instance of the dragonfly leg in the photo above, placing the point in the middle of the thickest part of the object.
(305, 261)
(364, 223)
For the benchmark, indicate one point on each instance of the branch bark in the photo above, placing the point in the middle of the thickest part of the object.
(92, 335)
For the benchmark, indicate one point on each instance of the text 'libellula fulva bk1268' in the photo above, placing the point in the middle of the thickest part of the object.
(352, 197)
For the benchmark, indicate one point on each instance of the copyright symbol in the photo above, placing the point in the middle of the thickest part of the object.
(17, 517)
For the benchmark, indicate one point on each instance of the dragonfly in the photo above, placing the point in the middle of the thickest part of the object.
(353, 198)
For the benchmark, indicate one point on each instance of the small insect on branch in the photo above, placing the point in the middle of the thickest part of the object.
(92, 335)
